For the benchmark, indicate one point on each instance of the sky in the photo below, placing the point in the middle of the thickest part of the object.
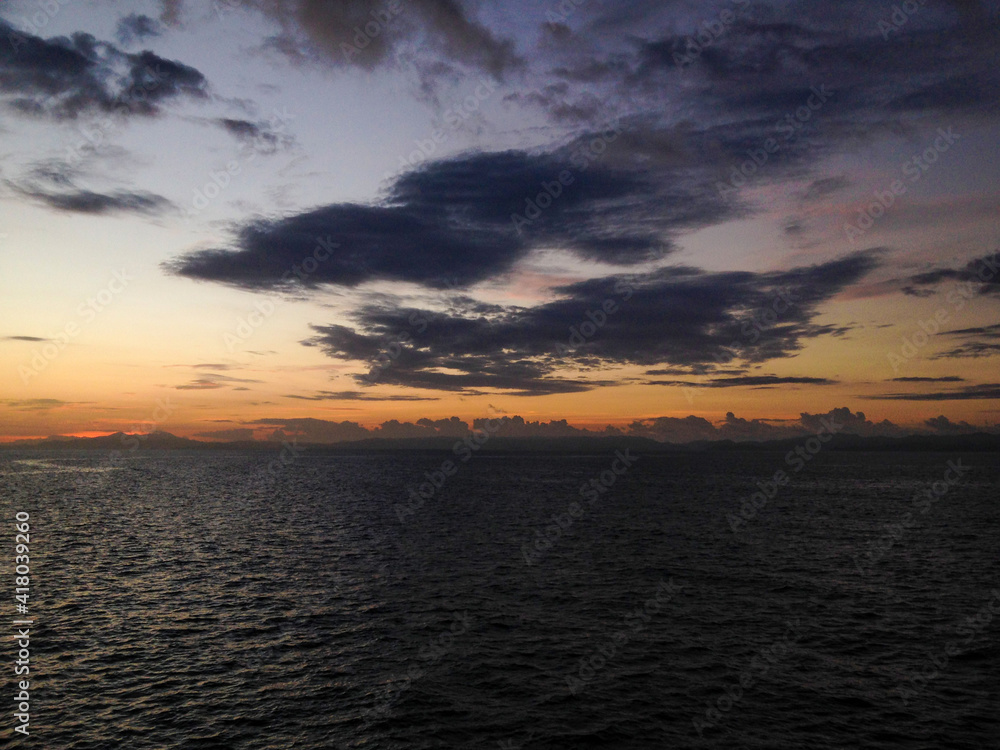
(262, 219)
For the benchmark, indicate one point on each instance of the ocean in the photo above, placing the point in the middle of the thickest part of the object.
(688, 600)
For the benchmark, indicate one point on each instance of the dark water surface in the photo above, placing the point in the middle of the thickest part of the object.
(184, 601)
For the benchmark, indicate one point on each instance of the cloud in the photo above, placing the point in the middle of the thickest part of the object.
(825, 187)
(358, 396)
(375, 33)
(24, 338)
(311, 430)
(64, 77)
(981, 341)
(945, 426)
(34, 404)
(727, 97)
(852, 423)
(667, 429)
(53, 183)
(451, 223)
(236, 434)
(949, 379)
(677, 316)
(201, 384)
(41, 404)
(262, 137)
(748, 380)
(982, 273)
(170, 13)
(675, 429)
(209, 381)
(701, 369)
(692, 428)
(90, 202)
(983, 392)
(136, 27)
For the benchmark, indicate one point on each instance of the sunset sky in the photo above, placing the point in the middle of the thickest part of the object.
(222, 219)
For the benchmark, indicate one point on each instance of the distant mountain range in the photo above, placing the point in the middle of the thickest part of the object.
(124, 442)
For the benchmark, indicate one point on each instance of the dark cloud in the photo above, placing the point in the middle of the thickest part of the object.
(34, 404)
(237, 434)
(374, 33)
(669, 429)
(170, 13)
(136, 27)
(687, 429)
(748, 380)
(210, 381)
(983, 392)
(65, 77)
(53, 183)
(852, 423)
(201, 384)
(675, 429)
(980, 341)
(949, 379)
(261, 137)
(734, 88)
(702, 369)
(678, 316)
(518, 427)
(945, 426)
(309, 430)
(452, 223)
(825, 187)
(358, 396)
(90, 202)
(320, 431)
(982, 274)
(24, 338)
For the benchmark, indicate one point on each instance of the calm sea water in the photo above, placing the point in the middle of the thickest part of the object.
(189, 600)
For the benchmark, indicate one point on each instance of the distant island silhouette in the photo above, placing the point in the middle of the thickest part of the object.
(165, 441)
